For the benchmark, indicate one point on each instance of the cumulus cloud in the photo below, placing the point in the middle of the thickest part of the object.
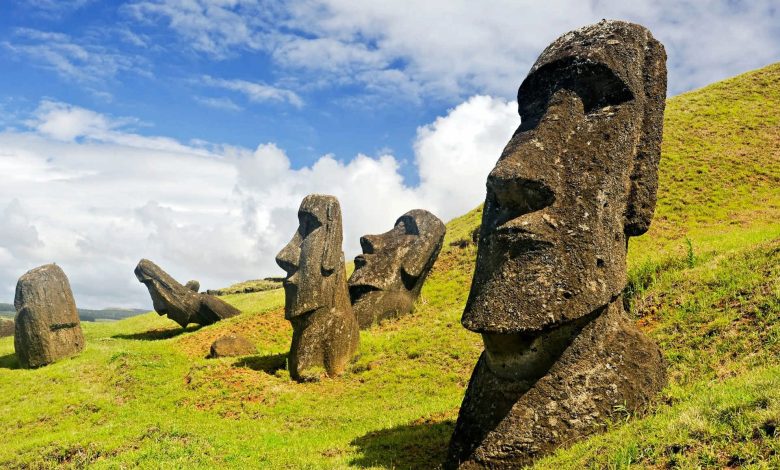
(95, 197)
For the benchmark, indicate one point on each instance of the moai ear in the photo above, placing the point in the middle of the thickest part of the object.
(333, 238)
(644, 176)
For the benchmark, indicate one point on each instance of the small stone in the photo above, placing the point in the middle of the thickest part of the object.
(193, 285)
(232, 345)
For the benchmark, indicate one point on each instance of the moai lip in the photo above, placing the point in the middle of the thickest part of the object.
(325, 330)
(576, 180)
(391, 271)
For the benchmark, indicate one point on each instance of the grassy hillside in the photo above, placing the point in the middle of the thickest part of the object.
(704, 284)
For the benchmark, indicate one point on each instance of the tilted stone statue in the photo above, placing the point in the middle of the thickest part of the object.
(576, 180)
(392, 269)
(325, 330)
(47, 323)
(181, 304)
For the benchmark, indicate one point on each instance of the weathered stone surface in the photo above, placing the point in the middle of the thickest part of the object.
(47, 322)
(232, 345)
(389, 274)
(325, 330)
(181, 304)
(577, 179)
(6, 327)
(193, 285)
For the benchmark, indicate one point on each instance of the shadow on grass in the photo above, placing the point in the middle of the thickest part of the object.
(159, 333)
(422, 445)
(9, 361)
(268, 364)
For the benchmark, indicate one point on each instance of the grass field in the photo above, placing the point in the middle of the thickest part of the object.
(704, 283)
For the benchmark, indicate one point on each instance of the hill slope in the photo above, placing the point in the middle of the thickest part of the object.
(704, 284)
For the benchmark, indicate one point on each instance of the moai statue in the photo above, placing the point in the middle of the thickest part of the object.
(576, 180)
(47, 322)
(325, 330)
(392, 269)
(182, 304)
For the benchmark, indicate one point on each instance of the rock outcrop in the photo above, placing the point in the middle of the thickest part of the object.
(47, 326)
(325, 330)
(576, 180)
(391, 271)
(181, 304)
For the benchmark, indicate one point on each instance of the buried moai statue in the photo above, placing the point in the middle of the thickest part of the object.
(392, 269)
(325, 330)
(576, 180)
(47, 325)
(182, 304)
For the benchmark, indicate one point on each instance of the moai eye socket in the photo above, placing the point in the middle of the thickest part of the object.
(407, 225)
(307, 223)
(595, 83)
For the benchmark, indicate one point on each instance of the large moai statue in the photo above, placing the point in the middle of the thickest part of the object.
(182, 304)
(576, 180)
(47, 323)
(325, 330)
(392, 269)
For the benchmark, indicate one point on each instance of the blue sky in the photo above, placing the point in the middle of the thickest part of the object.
(187, 131)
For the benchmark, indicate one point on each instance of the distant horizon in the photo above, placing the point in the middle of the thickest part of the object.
(189, 133)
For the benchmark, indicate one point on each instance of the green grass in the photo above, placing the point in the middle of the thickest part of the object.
(703, 283)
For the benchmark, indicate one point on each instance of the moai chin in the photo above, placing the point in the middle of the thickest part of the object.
(392, 269)
(575, 181)
(325, 330)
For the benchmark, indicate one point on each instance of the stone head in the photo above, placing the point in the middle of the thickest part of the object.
(313, 256)
(575, 181)
(389, 274)
(169, 297)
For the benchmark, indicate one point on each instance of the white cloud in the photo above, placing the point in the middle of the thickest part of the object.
(256, 92)
(90, 64)
(95, 198)
(225, 104)
(456, 48)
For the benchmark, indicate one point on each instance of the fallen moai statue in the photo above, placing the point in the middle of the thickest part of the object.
(325, 330)
(181, 304)
(391, 271)
(47, 325)
(576, 180)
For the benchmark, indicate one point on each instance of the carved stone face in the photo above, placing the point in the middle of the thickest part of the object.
(390, 273)
(575, 181)
(182, 304)
(312, 256)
